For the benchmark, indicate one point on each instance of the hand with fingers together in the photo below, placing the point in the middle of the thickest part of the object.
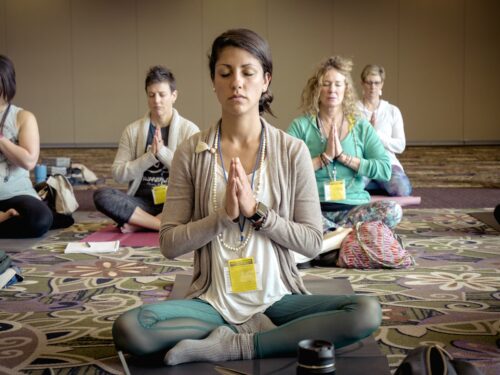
(157, 143)
(333, 147)
(239, 194)
(337, 146)
(232, 204)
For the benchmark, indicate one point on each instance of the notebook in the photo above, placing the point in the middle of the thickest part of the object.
(92, 247)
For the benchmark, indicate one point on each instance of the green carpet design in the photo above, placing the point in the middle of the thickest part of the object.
(60, 316)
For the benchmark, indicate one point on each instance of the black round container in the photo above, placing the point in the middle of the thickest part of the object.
(315, 357)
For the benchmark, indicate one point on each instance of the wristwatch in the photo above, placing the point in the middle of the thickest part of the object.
(259, 217)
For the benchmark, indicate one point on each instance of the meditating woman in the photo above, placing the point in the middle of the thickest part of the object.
(22, 213)
(242, 194)
(387, 120)
(344, 148)
(144, 157)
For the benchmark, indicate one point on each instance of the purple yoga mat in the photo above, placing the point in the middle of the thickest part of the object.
(135, 239)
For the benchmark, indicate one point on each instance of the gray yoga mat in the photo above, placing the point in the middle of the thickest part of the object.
(487, 218)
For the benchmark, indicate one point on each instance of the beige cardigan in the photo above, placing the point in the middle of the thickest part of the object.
(294, 222)
(132, 160)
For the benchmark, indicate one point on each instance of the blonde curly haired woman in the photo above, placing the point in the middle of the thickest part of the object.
(344, 148)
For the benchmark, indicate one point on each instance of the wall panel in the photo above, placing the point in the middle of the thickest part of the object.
(219, 16)
(81, 63)
(300, 34)
(39, 44)
(3, 28)
(170, 33)
(431, 51)
(482, 72)
(105, 68)
(367, 32)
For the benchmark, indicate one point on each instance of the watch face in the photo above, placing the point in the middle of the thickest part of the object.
(256, 217)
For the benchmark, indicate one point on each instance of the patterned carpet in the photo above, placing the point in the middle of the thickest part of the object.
(58, 321)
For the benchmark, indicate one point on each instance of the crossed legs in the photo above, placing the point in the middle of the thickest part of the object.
(160, 327)
(130, 213)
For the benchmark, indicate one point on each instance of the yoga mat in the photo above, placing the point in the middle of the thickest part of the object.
(135, 239)
(361, 358)
(487, 218)
(458, 197)
(402, 201)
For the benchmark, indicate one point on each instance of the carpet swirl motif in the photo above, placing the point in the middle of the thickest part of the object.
(60, 317)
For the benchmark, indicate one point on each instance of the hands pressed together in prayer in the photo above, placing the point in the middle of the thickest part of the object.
(157, 143)
(333, 146)
(239, 193)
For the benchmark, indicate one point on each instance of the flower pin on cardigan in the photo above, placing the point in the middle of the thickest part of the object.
(202, 146)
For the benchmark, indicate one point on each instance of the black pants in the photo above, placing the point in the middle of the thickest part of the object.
(34, 220)
(120, 206)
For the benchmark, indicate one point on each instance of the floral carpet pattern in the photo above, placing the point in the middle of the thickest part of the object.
(58, 320)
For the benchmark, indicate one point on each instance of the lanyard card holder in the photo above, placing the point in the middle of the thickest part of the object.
(334, 190)
(242, 275)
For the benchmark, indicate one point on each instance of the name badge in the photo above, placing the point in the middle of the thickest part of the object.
(335, 190)
(159, 194)
(242, 275)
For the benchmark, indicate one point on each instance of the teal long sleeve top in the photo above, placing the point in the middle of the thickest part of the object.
(362, 142)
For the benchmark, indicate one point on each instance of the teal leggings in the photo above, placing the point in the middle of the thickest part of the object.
(341, 320)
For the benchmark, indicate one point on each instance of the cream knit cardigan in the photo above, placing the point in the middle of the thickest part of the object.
(132, 160)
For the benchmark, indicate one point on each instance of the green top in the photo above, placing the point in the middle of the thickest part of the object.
(362, 142)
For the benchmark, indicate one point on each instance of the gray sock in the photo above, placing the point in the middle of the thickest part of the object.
(221, 345)
(258, 323)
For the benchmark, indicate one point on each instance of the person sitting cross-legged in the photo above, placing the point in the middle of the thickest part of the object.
(242, 195)
(144, 157)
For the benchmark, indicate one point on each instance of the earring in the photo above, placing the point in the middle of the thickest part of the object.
(380, 92)
(213, 89)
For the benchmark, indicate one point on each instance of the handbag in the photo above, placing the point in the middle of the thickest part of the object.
(79, 174)
(58, 193)
(434, 360)
(373, 244)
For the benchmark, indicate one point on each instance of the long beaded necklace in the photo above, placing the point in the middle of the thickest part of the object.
(260, 161)
(351, 129)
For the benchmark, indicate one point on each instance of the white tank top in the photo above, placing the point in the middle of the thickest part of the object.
(14, 180)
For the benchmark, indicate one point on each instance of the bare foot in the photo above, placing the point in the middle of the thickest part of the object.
(8, 214)
(130, 228)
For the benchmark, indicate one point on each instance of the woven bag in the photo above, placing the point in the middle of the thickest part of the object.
(373, 245)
